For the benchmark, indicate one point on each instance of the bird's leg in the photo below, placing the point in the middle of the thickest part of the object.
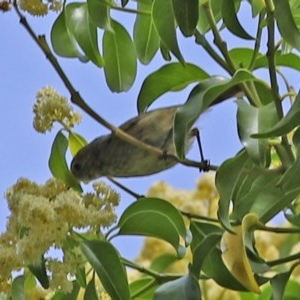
(204, 166)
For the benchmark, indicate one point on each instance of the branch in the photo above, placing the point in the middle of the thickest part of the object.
(248, 89)
(78, 100)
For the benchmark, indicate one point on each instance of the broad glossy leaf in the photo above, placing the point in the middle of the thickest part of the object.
(145, 37)
(165, 52)
(162, 262)
(183, 288)
(39, 271)
(292, 290)
(285, 125)
(157, 218)
(99, 13)
(76, 142)
(207, 93)
(57, 162)
(186, 14)
(265, 198)
(215, 268)
(63, 41)
(263, 184)
(290, 60)
(170, 77)
(84, 31)
(290, 180)
(227, 184)
(81, 276)
(242, 57)
(213, 265)
(17, 288)
(202, 250)
(163, 19)
(251, 119)
(286, 23)
(105, 260)
(231, 21)
(146, 284)
(90, 291)
(280, 289)
(120, 58)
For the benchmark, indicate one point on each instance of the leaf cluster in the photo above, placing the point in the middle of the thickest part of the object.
(254, 186)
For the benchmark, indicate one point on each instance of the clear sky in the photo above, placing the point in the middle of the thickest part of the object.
(24, 70)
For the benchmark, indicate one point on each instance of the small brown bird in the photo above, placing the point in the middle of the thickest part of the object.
(108, 155)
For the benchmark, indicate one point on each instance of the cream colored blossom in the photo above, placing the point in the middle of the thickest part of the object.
(60, 271)
(203, 201)
(46, 216)
(39, 8)
(51, 107)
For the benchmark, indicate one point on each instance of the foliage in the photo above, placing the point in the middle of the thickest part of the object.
(254, 186)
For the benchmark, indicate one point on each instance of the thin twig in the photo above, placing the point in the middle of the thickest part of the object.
(125, 189)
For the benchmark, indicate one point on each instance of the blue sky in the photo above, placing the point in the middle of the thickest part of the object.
(24, 70)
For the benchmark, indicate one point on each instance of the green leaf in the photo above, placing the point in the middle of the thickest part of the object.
(231, 21)
(285, 125)
(105, 260)
(290, 180)
(91, 291)
(17, 288)
(183, 288)
(279, 283)
(251, 119)
(264, 198)
(213, 265)
(186, 14)
(204, 95)
(57, 162)
(165, 52)
(242, 57)
(157, 218)
(257, 7)
(163, 19)
(290, 60)
(63, 42)
(120, 58)
(84, 31)
(286, 23)
(99, 13)
(170, 77)
(146, 284)
(162, 262)
(202, 250)
(39, 271)
(145, 37)
(76, 142)
(227, 184)
(81, 276)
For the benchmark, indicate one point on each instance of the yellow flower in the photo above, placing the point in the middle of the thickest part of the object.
(51, 107)
(34, 7)
(46, 216)
(38, 8)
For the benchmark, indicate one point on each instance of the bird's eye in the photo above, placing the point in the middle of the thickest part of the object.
(75, 166)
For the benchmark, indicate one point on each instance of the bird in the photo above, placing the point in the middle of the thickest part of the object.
(110, 156)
